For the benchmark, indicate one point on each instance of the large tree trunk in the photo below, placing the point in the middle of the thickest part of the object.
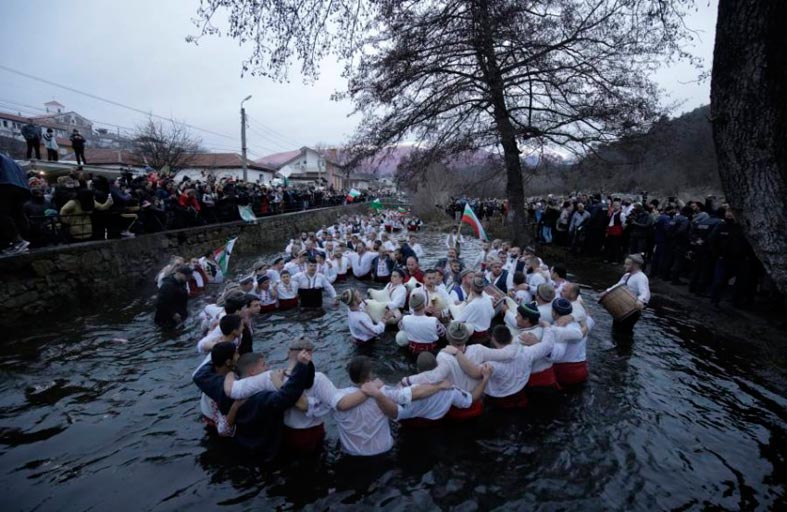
(487, 59)
(749, 113)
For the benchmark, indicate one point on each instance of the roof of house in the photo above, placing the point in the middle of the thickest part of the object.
(104, 156)
(218, 160)
(54, 102)
(13, 117)
(277, 160)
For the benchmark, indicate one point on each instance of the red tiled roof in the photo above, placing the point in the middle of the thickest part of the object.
(13, 117)
(218, 160)
(278, 159)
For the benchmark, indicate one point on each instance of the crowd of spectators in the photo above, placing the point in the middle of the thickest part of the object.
(80, 206)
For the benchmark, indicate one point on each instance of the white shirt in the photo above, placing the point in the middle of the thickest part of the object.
(546, 312)
(511, 376)
(569, 344)
(478, 313)
(211, 314)
(451, 240)
(539, 365)
(274, 275)
(638, 284)
(364, 430)
(447, 368)
(438, 291)
(436, 406)
(304, 280)
(289, 291)
(361, 265)
(509, 279)
(397, 294)
(294, 267)
(389, 246)
(362, 327)
(420, 328)
(340, 264)
(418, 250)
(266, 296)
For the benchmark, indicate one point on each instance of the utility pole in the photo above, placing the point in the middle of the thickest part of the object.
(243, 136)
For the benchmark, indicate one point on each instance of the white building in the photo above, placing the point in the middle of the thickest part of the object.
(307, 166)
(224, 165)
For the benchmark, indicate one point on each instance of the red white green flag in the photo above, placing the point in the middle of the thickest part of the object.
(468, 216)
(222, 255)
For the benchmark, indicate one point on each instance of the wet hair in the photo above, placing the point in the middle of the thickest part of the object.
(221, 352)
(426, 361)
(519, 278)
(501, 334)
(360, 369)
(284, 272)
(398, 272)
(560, 270)
(234, 302)
(249, 298)
(229, 323)
(248, 361)
(430, 271)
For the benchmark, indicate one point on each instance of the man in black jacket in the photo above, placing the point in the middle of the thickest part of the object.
(259, 420)
(172, 298)
(78, 143)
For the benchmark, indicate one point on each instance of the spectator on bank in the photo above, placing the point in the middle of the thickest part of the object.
(14, 192)
(32, 134)
(50, 141)
(77, 214)
(78, 143)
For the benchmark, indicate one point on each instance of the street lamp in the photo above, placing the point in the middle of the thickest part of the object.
(243, 136)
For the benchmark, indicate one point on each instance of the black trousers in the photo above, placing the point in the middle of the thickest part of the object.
(51, 155)
(80, 154)
(626, 326)
(33, 144)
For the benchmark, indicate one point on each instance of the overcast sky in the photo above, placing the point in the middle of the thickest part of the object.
(134, 53)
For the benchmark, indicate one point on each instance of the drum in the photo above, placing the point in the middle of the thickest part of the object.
(620, 302)
(498, 296)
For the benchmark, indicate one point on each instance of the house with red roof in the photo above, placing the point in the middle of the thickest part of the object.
(308, 166)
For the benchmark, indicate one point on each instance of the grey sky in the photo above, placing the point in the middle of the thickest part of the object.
(135, 53)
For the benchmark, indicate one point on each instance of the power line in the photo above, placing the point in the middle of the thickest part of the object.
(111, 102)
(274, 135)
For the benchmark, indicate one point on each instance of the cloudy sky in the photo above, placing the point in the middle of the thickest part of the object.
(134, 53)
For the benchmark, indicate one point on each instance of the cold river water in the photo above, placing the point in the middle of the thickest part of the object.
(674, 420)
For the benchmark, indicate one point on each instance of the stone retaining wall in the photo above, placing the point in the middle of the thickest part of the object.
(58, 278)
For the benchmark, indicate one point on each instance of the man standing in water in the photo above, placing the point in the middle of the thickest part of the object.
(172, 298)
(637, 283)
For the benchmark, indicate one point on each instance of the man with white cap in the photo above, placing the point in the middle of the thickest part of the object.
(418, 331)
(461, 291)
(506, 388)
(569, 353)
(498, 276)
(637, 283)
(545, 294)
(478, 311)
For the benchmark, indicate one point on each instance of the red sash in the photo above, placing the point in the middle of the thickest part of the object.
(543, 379)
(417, 348)
(267, 308)
(340, 278)
(304, 439)
(480, 336)
(209, 423)
(286, 304)
(474, 411)
(571, 374)
(516, 401)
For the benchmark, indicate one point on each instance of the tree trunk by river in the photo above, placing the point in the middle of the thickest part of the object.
(749, 113)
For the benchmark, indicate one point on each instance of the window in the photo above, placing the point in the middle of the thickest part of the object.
(5, 123)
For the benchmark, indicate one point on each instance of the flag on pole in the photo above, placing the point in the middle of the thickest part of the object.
(222, 255)
(468, 216)
(376, 205)
(352, 195)
(246, 214)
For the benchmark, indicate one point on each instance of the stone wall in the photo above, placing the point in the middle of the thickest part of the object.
(57, 279)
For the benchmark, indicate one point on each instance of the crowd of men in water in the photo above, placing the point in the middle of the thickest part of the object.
(499, 331)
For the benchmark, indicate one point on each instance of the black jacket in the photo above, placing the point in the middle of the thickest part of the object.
(172, 298)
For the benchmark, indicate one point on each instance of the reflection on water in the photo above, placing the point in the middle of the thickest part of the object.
(675, 419)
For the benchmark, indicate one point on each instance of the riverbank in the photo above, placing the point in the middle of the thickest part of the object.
(57, 281)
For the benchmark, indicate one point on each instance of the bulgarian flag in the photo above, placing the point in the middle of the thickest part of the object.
(222, 255)
(352, 195)
(469, 217)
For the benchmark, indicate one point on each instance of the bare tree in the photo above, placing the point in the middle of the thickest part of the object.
(459, 75)
(170, 145)
(749, 114)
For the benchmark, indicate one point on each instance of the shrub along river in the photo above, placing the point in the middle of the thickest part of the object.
(682, 418)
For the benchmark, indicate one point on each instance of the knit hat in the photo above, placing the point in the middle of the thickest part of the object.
(636, 258)
(479, 283)
(301, 344)
(262, 278)
(347, 296)
(417, 300)
(465, 272)
(457, 332)
(529, 311)
(562, 306)
(545, 292)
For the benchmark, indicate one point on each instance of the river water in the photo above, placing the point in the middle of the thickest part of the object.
(674, 420)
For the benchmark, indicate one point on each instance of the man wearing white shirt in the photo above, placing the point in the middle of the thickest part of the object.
(416, 247)
(545, 294)
(506, 388)
(498, 276)
(460, 292)
(479, 263)
(311, 285)
(637, 283)
(478, 311)
(418, 331)
(365, 430)
(569, 353)
(436, 297)
(527, 331)
(361, 261)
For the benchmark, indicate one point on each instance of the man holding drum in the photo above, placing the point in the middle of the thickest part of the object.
(636, 282)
